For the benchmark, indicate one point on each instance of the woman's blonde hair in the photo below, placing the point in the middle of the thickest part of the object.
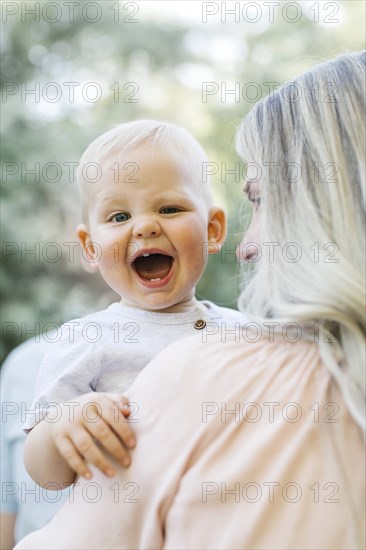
(308, 142)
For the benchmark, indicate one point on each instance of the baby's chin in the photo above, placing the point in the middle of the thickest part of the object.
(160, 304)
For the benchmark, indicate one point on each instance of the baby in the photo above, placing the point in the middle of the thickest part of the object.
(148, 224)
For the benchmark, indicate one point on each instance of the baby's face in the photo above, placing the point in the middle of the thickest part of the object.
(150, 228)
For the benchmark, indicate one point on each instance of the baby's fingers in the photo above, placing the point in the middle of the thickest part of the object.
(88, 448)
(103, 432)
(71, 455)
(115, 409)
(120, 403)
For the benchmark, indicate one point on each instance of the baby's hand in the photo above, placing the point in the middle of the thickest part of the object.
(97, 421)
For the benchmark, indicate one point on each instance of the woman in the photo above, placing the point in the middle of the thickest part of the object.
(262, 443)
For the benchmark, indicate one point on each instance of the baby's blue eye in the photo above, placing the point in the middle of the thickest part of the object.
(169, 210)
(120, 217)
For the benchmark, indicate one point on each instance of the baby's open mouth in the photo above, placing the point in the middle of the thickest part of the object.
(153, 267)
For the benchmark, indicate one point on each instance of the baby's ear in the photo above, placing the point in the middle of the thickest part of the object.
(216, 230)
(90, 254)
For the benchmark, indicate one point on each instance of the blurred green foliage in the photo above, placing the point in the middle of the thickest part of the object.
(168, 55)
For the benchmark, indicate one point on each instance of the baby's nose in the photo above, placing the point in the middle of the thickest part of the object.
(146, 226)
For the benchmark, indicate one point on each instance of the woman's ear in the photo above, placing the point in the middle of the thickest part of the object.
(90, 255)
(216, 230)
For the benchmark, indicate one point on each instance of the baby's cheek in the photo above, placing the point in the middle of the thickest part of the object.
(192, 230)
(115, 252)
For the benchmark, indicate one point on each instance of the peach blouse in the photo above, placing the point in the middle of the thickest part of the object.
(239, 446)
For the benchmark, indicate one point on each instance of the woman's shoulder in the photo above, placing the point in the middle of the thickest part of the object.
(246, 359)
(268, 413)
(243, 349)
(227, 366)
